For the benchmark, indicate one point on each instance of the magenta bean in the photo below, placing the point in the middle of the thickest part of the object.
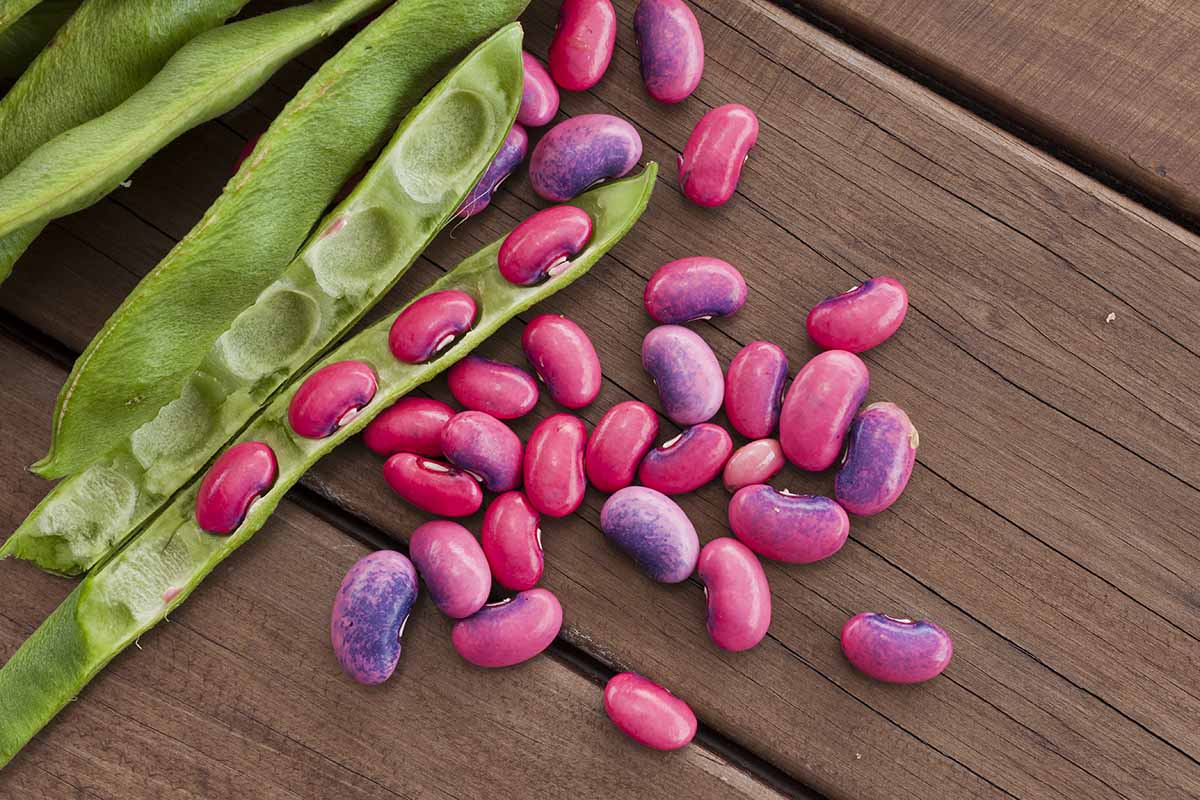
(330, 398)
(622, 436)
(896, 650)
(819, 407)
(412, 425)
(247, 149)
(485, 447)
(433, 486)
(562, 355)
(756, 462)
(739, 599)
(539, 95)
(688, 461)
(494, 387)
(509, 632)
(510, 156)
(453, 567)
(232, 484)
(554, 475)
(671, 49)
(880, 451)
(795, 528)
(754, 389)
(712, 160)
(697, 287)
(653, 530)
(429, 324)
(369, 613)
(582, 151)
(512, 542)
(583, 43)
(688, 375)
(861, 318)
(648, 713)
(542, 246)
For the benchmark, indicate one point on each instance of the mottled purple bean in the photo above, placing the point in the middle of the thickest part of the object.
(648, 713)
(453, 566)
(429, 324)
(369, 612)
(622, 436)
(696, 287)
(819, 407)
(896, 650)
(563, 357)
(671, 48)
(330, 398)
(736, 590)
(755, 462)
(485, 447)
(652, 529)
(433, 486)
(688, 375)
(580, 152)
(712, 160)
(880, 451)
(512, 542)
(539, 95)
(509, 632)
(555, 481)
(688, 461)
(411, 425)
(861, 318)
(583, 43)
(234, 481)
(542, 245)
(503, 390)
(510, 156)
(794, 528)
(754, 389)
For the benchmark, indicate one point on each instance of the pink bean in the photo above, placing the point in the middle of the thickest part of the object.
(429, 324)
(562, 355)
(671, 47)
(542, 246)
(554, 474)
(512, 542)
(692, 288)
(896, 650)
(861, 318)
(648, 713)
(739, 599)
(583, 43)
(509, 632)
(453, 567)
(622, 436)
(330, 398)
(369, 614)
(653, 530)
(819, 406)
(754, 389)
(502, 390)
(412, 425)
(881, 451)
(235, 480)
(712, 160)
(686, 372)
(510, 156)
(688, 461)
(247, 149)
(756, 462)
(582, 151)
(485, 447)
(539, 95)
(794, 528)
(433, 486)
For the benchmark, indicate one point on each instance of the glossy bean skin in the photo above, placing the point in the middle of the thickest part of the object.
(411, 425)
(542, 245)
(429, 324)
(484, 446)
(896, 650)
(737, 593)
(581, 151)
(511, 154)
(671, 48)
(369, 612)
(512, 542)
(539, 97)
(653, 530)
(562, 355)
(819, 407)
(433, 486)
(453, 566)
(583, 43)
(880, 452)
(330, 398)
(234, 481)
(862, 318)
(712, 160)
(509, 632)
(688, 461)
(754, 389)
(754, 462)
(690, 384)
(793, 528)
(648, 713)
(503, 390)
(555, 481)
(619, 441)
(692, 288)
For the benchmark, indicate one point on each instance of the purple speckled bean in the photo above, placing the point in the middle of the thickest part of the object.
(484, 446)
(583, 43)
(622, 436)
(330, 398)
(712, 160)
(562, 355)
(539, 95)
(555, 480)
(896, 650)
(503, 390)
(688, 375)
(232, 484)
(412, 425)
(754, 389)
(433, 486)
(755, 462)
(542, 245)
(453, 567)
(512, 542)
(880, 451)
(653, 530)
(819, 407)
(671, 49)
(648, 713)
(582, 151)
(429, 324)
(688, 461)
(369, 612)
(739, 599)
(510, 156)
(509, 632)
(861, 318)
(795, 528)
(696, 287)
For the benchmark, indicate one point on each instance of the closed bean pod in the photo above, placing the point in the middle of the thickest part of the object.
(554, 476)
(688, 461)
(433, 486)
(696, 287)
(562, 355)
(582, 151)
(511, 154)
(671, 48)
(686, 372)
(754, 389)
(755, 462)
(503, 390)
(736, 590)
(512, 542)
(896, 650)
(412, 425)
(453, 567)
(819, 407)
(880, 452)
(794, 528)
(330, 398)
(542, 245)
(509, 632)
(369, 612)
(712, 160)
(653, 530)
(234, 481)
(622, 436)
(862, 318)
(539, 97)
(583, 43)
(429, 324)
(648, 713)
(484, 446)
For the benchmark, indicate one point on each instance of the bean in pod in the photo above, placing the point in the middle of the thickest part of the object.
(411, 425)
(330, 398)
(485, 447)
(717, 148)
(648, 713)
(369, 613)
(686, 372)
(511, 154)
(562, 355)
(671, 48)
(754, 389)
(754, 462)
(583, 43)
(539, 95)
(862, 318)
(688, 461)
(819, 407)
(512, 542)
(453, 567)
(554, 475)
(234, 481)
(503, 390)
(432, 485)
(881, 450)
(653, 530)
(793, 528)
(511, 631)
(622, 436)
(896, 650)
(582, 151)
(542, 246)
(429, 324)
(692, 288)
(736, 590)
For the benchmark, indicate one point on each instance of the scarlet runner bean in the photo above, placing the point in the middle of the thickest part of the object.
(412, 425)
(794, 528)
(369, 613)
(562, 355)
(485, 447)
(688, 461)
(511, 154)
(580, 152)
(509, 632)
(554, 476)
(712, 160)
(330, 398)
(819, 406)
(881, 450)
(648, 713)
(235, 480)
(739, 599)
(429, 325)
(453, 567)
(896, 650)
(697, 287)
(653, 530)
(539, 97)
(512, 542)
(583, 43)
(622, 436)
(687, 374)
(755, 462)
(754, 389)
(862, 318)
(502, 390)
(541, 246)
(671, 48)
(433, 486)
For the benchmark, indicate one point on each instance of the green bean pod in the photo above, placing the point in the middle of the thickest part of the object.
(359, 252)
(21, 41)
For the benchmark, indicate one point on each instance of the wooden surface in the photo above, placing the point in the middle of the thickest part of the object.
(1050, 525)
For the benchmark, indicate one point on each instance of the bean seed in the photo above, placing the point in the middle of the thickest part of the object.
(622, 436)
(754, 389)
(688, 375)
(484, 446)
(562, 355)
(881, 449)
(330, 398)
(896, 650)
(861, 318)
(820, 404)
(429, 325)
(583, 43)
(369, 613)
(453, 567)
(511, 154)
(697, 287)
(542, 245)
(653, 530)
(509, 632)
(554, 475)
(648, 713)
(739, 599)
(512, 542)
(580, 152)
(433, 486)
(502, 390)
(671, 48)
(539, 98)
(794, 528)
(756, 462)
(232, 483)
(712, 160)
(688, 461)
(412, 425)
